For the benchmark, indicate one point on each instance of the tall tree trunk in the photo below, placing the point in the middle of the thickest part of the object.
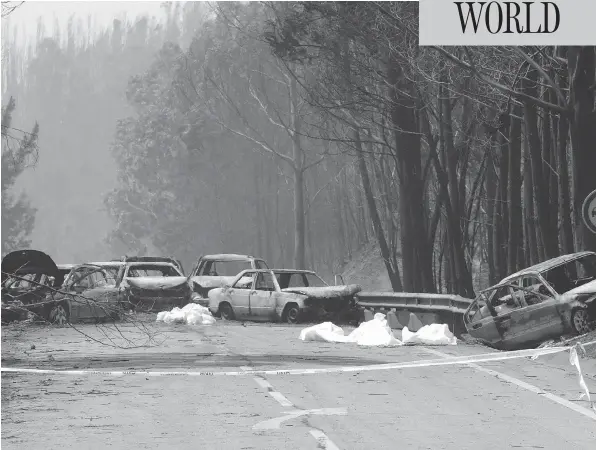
(514, 198)
(298, 157)
(416, 252)
(393, 272)
(548, 235)
(503, 226)
(564, 201)
(491, 193)
(259, 219)
(582, 69)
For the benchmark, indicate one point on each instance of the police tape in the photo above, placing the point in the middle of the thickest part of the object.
(455, 360)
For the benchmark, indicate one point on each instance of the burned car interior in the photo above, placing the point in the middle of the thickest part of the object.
(541, 302)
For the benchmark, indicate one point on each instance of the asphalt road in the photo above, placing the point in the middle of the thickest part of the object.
(489, 405)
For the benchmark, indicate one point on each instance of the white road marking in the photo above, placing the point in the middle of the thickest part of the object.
(263, 383)
(272, 424)
(275, 423)
(246, 367)
(323, 440)
(522, 384)
(281, 399)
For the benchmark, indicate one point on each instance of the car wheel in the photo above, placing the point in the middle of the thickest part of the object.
(292, 313)
(58, 314)
(580, 321)
(226, 312)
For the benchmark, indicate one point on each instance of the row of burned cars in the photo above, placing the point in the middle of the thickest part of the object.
(548, 300)
(231, 286)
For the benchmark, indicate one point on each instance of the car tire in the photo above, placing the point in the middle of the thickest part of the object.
(59, 314)
(580, 321)
(291, 313)
(226, 312)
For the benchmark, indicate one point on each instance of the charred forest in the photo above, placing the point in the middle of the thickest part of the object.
(299, 132)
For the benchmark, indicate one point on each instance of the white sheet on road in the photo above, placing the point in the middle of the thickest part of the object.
(433, 334)
(191, 314)
(376, 332)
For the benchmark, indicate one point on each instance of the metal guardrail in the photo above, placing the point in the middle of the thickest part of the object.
(414, 302)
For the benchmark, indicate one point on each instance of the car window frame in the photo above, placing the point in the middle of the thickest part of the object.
(251, 273)
(273, 281)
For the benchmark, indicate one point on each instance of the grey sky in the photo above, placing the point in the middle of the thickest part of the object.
(24, 18)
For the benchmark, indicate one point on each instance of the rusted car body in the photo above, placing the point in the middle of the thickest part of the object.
(88, 293)
(27, 277)
(151, 285)
(541, 302)
(279, 295)
(40, 287)
(214, 271)
(150, 259)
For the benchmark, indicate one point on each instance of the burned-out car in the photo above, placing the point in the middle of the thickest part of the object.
(214, 271)
(280, 295)
(57, 294)
(150, 259)
(27, 277)
(89, 292)
(545, 301)
(154, 284)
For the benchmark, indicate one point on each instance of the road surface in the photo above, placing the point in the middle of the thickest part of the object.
(489, 405)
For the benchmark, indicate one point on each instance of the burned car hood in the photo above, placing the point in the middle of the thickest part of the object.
(216, 282)
(588, 288)
(28, 261)
(325, 292)
(156, 283)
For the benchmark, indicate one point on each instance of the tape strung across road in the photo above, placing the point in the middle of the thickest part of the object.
(456, 360)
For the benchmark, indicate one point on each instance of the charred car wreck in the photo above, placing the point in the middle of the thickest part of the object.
(149, 283)
(34, 284)
(545, 301)
(214, 271)
(290, 296)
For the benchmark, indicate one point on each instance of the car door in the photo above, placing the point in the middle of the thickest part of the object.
(80, 300)
(263, 296)
(537, 319)
(480, 322)
(239, 294)
(103, 295)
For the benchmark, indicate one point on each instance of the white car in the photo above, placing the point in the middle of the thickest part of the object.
(280, 295)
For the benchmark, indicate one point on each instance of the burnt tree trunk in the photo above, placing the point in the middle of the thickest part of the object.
(393, 272)
(514, 194)
(548, 235)
(416, 251)
(582, 69)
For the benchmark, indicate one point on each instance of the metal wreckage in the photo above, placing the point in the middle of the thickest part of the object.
(33, 284)
(542, 302)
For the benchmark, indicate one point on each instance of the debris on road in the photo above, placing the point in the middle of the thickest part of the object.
(191, 314)
(376, 332)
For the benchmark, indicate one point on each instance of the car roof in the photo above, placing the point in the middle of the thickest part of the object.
(293, 271)
(107, 263)
(278, 271)
(65, 266)
(547, 265)
(229, 257)
(152, 263)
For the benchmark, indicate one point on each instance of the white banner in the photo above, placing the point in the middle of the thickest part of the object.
(514, 23)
